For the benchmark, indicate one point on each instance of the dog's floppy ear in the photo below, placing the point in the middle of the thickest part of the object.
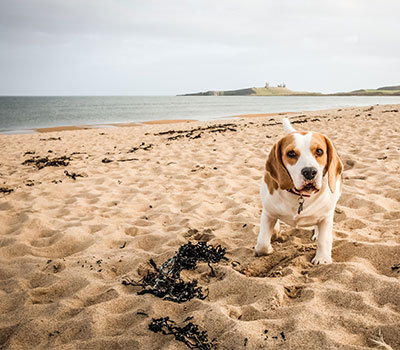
(277, 169)
(334, 165)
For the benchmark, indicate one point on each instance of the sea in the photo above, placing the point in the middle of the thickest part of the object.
(21, 114)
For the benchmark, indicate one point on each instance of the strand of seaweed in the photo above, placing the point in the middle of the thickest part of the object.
(41, 163)
(141, 146)
(166, 282)
(72, 175)
(190, 133)
(189, 334)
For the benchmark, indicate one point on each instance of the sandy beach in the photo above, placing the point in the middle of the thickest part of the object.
(70, 234)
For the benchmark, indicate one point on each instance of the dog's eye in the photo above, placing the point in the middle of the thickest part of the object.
(319, 152)
(291, 154)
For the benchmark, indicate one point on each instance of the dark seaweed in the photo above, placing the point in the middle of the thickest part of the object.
(189, 334)
(41, 163)
(6, 190)
(299, 121)
(189, 254)
(165, 281)
(196, 133)
(165, 287)
(127, 160)
(141, 146)
(72, 175)
(52, 139)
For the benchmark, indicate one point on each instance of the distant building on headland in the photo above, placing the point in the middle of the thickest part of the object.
(282, 85)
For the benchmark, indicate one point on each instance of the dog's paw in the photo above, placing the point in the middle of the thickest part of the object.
(321, 258)
(262, 250)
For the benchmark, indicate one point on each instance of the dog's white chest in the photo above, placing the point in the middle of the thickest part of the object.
(285, 206)
(299, 220)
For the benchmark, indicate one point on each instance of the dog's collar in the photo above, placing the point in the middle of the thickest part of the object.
(301, 199)
(297, 193)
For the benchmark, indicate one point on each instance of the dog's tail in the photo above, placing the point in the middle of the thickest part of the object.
(287, 127)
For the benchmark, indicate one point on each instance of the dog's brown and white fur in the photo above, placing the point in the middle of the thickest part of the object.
(302, 164)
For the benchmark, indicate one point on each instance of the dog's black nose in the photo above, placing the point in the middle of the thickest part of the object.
(309, 173)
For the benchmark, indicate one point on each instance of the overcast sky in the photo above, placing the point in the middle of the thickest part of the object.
(168, 47)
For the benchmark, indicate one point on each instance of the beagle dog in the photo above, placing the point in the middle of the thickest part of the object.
(301, 187)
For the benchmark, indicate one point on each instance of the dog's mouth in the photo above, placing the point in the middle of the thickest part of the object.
(308, 189)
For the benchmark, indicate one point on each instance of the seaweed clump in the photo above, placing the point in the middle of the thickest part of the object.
(141, 146)
(189, 334)
(196, 133)
(6, 190)
(41, 163)
(166, 282)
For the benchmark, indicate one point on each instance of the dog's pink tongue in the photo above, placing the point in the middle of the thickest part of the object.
(308, 189)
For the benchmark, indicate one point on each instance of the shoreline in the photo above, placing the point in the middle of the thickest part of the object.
(93, 126)
(218, 112)
(165, 122)
(112, 125)
(151, 122)
(132, 124)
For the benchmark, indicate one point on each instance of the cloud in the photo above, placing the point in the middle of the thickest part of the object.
(124, 45)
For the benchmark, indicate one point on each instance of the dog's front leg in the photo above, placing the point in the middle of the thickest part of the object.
(324, 242)
(267, 224)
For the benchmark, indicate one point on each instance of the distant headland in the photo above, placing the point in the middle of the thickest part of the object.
(282, 90)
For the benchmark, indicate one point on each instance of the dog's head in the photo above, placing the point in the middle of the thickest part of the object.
(300, 160)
